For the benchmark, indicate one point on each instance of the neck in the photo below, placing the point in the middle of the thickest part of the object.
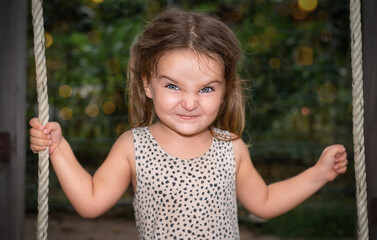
(179, 145)
(177, 136)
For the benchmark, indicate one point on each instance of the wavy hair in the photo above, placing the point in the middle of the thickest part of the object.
(205, 35)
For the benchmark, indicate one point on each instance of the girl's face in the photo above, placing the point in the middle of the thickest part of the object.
(187, 91)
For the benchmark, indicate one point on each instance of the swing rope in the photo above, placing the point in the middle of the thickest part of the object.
(358, 119)
(357, 102)
(43, 117)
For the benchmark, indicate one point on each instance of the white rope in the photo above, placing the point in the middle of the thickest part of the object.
(43, 117)
(358, 119)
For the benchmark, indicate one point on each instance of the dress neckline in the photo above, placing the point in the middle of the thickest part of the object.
(207, 153)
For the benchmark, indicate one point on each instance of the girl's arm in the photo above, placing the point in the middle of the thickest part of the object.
(90, 196)
(275, 199)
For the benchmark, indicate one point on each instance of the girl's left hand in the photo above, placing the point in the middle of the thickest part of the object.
(332, 162)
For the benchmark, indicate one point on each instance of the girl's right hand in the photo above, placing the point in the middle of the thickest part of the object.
(42, 137)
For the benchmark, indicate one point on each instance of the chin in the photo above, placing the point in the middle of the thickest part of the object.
(190, 132)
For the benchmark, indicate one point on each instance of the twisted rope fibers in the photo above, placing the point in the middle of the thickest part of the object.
(43, 117)
(358, 119)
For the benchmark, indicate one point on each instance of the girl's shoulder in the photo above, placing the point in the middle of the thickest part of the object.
(125, 144)
(126, 136)
(133, 135)
(129, 135)
(240, 150)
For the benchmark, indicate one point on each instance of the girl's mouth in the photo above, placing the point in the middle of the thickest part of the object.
(187, 117)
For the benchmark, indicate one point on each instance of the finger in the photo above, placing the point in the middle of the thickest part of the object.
(38, 134)
(334, 150)
(341, 155)
(50, 127)
(341, 158)
(36, 149)
(35, 124)
(40, 142)
(341, 170)
(341, 164)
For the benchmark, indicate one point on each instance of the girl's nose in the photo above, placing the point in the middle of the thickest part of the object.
(190, 102)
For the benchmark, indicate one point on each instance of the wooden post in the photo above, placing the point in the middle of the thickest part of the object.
(13, 16)
(369, 29)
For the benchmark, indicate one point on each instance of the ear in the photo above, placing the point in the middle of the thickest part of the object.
(147, 88)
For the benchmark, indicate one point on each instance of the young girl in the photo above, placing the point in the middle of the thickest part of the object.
(184, 156)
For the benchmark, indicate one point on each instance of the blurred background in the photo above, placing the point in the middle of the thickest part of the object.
(297, 66)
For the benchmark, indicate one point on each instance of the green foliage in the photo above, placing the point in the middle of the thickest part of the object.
(312, 220)
(297, 103)
(298, 76)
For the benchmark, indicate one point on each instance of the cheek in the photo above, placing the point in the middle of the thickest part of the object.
(212, 105)
(165, 102)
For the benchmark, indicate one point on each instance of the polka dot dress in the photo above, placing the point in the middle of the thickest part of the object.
(184, 199)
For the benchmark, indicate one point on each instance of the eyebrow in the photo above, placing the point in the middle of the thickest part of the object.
(176, 82)
(164, 76)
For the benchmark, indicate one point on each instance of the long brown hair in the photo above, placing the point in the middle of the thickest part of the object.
(205, 35)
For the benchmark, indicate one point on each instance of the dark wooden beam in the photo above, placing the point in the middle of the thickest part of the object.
(12, 117)
(369, 29)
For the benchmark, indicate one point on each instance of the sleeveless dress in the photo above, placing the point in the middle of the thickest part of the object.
(184, 199)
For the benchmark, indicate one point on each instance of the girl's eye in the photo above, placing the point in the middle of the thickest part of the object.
(206, 90)
(172, 87)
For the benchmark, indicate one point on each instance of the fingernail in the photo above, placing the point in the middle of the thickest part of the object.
(49, 142)
(45, 131)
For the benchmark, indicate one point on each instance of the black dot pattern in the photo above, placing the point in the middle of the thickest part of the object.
(184, 199)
